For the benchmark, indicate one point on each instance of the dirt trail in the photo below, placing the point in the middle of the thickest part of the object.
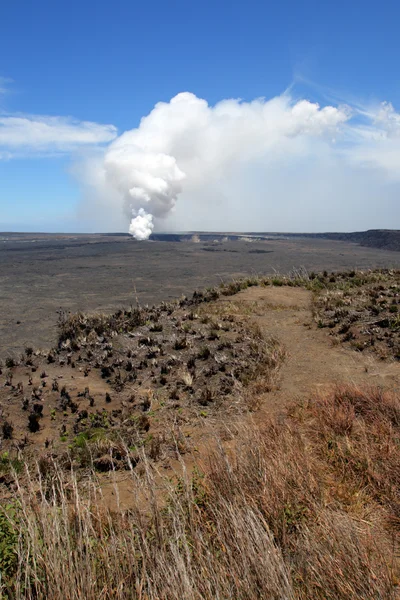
(313, 360)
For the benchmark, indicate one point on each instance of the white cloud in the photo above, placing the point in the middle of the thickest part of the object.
(270, 164)
(185, 147)
(30, 134)
(376, 143)
(264, 165)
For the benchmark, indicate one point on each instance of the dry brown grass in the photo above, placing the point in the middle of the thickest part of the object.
(268, 355)
(265, 517)
(301, 507)
(356, 431)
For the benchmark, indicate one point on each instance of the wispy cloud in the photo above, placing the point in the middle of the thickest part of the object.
(40, 135)
(28, 134)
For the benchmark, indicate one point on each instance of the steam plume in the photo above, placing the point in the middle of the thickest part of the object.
(190, 149)
(141, 225)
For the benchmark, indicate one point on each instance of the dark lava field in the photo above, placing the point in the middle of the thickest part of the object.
(41, 274)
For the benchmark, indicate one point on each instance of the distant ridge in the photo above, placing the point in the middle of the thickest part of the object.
(388, 239)
(385, 239)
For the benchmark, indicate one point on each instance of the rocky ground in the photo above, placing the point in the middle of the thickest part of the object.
(157, 379)
(363, 310)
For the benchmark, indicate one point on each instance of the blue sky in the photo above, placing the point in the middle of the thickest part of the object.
(110, 63)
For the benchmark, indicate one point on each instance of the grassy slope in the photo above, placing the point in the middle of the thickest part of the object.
(301, 507)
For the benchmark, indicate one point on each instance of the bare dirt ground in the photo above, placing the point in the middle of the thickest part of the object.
(314, 361)
(41, 274)
(314, 471)
(132, 406)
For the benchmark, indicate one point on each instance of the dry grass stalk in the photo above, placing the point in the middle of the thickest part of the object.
(265, 521)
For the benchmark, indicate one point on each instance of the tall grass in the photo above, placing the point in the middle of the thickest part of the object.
(264, 517)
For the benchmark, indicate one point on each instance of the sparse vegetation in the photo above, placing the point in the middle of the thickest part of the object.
(10, 362)
(281, 512)
(361, 308)
(7, 430)
(303, 505)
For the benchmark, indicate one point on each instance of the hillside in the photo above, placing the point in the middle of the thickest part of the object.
(386, 239)
(240, 443)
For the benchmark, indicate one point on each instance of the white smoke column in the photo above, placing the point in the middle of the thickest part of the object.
(141, 225)
(148, 181)
(278, 164)
(188, 142)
